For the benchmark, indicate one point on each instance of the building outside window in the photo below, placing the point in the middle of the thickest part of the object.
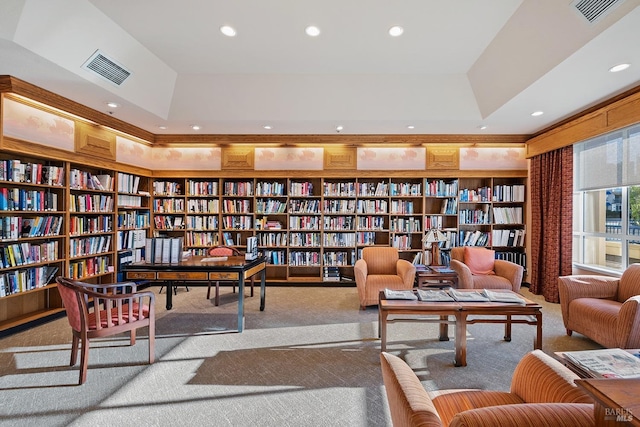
(606, 201)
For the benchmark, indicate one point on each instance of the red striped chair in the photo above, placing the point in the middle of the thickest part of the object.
(103, 310)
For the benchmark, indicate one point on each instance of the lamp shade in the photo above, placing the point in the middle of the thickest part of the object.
(434, 236)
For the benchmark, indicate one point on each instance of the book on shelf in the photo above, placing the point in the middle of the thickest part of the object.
(607, 362)
(399, 294)
(429, 295)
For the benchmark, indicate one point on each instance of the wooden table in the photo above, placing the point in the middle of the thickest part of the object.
(437, 276)
(492, 312)
(617, 401)
(197, 272)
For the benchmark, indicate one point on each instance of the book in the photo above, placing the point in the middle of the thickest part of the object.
(502, 296)
(441, 269)
(607, 362)
(395, 294)
(434, 295)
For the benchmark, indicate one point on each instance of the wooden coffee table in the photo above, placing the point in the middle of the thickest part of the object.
(491, 312)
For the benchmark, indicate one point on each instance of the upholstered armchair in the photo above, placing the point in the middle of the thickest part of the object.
(542, 393)
(604, 309)
(381, 267)
(477, 268)
(114, 309)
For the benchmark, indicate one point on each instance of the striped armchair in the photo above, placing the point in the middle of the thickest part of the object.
(602, 308)
(381, 267)
(542, 393)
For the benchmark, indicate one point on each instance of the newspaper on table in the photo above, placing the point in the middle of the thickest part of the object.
(607, 362)
(399, 294)
(433, 295)
(472, 296)
(502, 296)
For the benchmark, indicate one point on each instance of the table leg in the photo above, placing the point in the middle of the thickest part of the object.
(538, 343)
(169, 294)
(507, 328)
(461, 339)
(382, 329)
(241, 302)
(444, 328)
(263, 288)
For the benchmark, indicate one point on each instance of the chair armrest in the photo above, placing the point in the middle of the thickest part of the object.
(407, 271)
(510, 271)
(584, 286)
(528, 415)
(465, 278)
(628, 323)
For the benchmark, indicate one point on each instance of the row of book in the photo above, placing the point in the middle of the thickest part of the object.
(272, 239)
(14, 227)
(237, 222)
(91, 203)
(128, 183)
(304, 258)
(26, 279)
(90, 245)
(339, 189)
(241, 189)
(336, 258)
(301, 188)
(339, 206)
(34, 173)
(90, 224)
(25, 253)
(304, 206)
(20, 199)
(168, 222)
(168, 205)
(331, 273)
(372, 206)
(507, 237)
(87, 267)
(270, 206)
(166, 188)
(304, 222)
(203, 206)
(83, 180)
(338, 239)
(304, 239)
(473, 238)
(449, 206)
(402, 207)
(270, 189)
(202, 222)
(441, 188)
(277, 257)
(507, 215)
(133, 219)
(474, 216)
(202, 188)
(129, 201)
(236, 205)
(195, 238)
(405, 189)
(338, 223)
(130, 239)
(371, 189)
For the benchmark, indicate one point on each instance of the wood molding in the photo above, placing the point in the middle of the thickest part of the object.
(443, 158)
(95, 141)
(340, 158)
(237, 158)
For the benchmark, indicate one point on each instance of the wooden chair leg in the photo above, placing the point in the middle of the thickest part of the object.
(152, 341)
(84, 360)
(132, 337)
(74, 350)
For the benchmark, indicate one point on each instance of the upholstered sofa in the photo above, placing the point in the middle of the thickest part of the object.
(477, 268)
(542, 393)
(602, 308)
(381, 267)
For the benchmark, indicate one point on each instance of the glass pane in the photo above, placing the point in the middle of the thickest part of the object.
(598, 162)
(577, 212)
(577, 250)
(634, 251)
(632, 154)
(602, 252)
(633, 199)
(603, 211)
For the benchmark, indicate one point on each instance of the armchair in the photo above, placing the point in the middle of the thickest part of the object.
(477, 268)
(111, 312)
(604, 309)
(542, 393)
(222, 250)
(381, 267)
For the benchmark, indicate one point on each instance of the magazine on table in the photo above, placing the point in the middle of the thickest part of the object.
(441, 269)
(471, 296)
(607, 362)
(502, 296)
(433, 295)
(395, 294)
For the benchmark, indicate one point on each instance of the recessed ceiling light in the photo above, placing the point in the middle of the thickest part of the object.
(112, 105)
(195, 127)
(339, 128)
(267, 127)
(411, 127)
(163, 127)
(537, 113)
(619, 67)
(312, 31)
(396, 31)
(228, 30)
(482, 127)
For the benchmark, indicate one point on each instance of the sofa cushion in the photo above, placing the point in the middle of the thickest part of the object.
(479, 260)
(448, 403)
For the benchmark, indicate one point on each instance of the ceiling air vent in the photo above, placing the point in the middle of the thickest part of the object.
(593, 10)
(106, 68)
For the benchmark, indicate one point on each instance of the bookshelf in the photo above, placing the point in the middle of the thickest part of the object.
(133, 220)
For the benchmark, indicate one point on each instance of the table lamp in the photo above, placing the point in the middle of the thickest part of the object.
(434, 237)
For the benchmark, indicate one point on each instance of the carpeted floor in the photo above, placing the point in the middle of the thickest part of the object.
(310, 359)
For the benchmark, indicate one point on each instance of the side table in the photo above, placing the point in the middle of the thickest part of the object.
(439, 276)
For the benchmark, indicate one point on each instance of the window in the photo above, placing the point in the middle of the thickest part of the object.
(606, 208)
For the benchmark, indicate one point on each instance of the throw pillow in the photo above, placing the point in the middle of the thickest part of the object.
(479, 260)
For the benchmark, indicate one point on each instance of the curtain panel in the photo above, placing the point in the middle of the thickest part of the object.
(551, 180)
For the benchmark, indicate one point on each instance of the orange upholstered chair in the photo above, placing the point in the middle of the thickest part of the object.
(222, 250)
(477, 268)
(542, 393)
(114, 309)
(604, 309)
(381, 267)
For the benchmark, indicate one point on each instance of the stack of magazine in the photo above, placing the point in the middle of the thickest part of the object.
(396, 294)
(606, 363)
(485, 295)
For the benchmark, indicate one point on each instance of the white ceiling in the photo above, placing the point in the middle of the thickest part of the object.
(459, 64)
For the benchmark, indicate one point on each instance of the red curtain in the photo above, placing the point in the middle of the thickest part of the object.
(551, 180)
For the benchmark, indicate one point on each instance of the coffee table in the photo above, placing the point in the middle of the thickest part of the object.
(491, 312)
